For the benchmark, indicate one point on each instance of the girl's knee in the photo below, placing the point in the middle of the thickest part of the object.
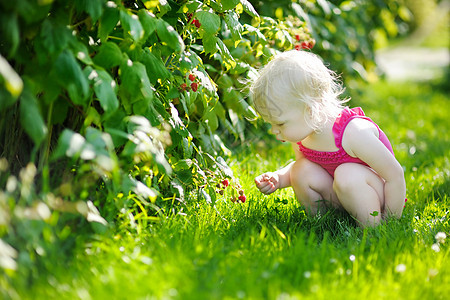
(311, 183)
(343, 181)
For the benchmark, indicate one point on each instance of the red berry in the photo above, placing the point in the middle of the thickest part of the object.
(298, 47)
(192, 77)
(297, 37)
(242, 198)
(225, 182)
(305, 45)
(194, 86)
(184, 86)
(196, 23)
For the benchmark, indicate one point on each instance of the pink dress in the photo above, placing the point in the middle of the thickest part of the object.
(331, 160)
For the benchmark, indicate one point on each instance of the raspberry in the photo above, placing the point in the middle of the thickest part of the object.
(297, 37)
(192, 77)
(194, 86)
(305, 45)
(196, 23)
(184, 86)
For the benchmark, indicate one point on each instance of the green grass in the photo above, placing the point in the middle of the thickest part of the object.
(267, 248)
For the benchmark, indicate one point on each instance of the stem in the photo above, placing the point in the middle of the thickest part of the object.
(44, 161)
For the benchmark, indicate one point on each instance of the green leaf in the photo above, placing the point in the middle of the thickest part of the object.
(54, 36)
(134, 82)
(229, 4)
(228, 59)
(69, 143)
(210, 22)
(81, 51)
(92, 7)
(9, 30)
(105, 89)
(148, 21)
(32, 11)
(169, 36)
(70, 76)
(31, 118)
(131, 24)
(210, 44)
(109, 55)
(248, 7)
(108, 22)
(154, 66)
(211, 117)
(232, 21)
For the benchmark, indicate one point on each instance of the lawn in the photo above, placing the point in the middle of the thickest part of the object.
(266, 248)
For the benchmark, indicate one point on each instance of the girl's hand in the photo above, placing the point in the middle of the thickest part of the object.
(268, 182)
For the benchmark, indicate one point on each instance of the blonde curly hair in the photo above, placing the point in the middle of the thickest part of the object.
(301, 77)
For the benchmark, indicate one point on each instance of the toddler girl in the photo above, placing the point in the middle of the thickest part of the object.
(343, 159)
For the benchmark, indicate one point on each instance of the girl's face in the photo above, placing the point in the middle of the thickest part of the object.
(290, 124)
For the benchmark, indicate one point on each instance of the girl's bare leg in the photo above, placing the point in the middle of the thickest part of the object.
(313, 186)
(361, 192)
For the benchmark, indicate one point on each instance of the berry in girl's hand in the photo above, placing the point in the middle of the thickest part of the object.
(194, 86)
(192, 77)
(305, 45)
(298, 47)
(242, 198)
(308, 45)
(225, 182)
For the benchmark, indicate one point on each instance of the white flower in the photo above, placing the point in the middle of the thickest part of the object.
(400, 268)
(435, 247)
(352, 257)
(440, 237)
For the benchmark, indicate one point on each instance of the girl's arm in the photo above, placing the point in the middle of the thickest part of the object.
(269, 182)
(361, 140)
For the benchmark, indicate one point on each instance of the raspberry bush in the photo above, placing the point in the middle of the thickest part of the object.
(115, 112)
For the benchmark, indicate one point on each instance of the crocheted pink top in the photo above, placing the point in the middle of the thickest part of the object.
(331, 160)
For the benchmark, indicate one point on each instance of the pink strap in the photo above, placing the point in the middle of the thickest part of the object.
(343, 119)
